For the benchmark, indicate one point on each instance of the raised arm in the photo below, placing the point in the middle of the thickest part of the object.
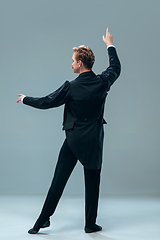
(110, 75)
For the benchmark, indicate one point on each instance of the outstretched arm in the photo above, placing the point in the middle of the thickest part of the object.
(55, 99)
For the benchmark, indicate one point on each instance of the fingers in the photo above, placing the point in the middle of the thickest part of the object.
(108, 39)
(107, 34)
(107, 31)
(20, 97)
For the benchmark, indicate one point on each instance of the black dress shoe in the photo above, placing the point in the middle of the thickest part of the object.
(35, 229)
(94, 228)
(46, 224)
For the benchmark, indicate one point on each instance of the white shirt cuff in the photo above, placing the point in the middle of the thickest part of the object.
(110, 46)
(22, 99)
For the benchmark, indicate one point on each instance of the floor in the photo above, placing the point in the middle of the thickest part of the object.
(122, 218)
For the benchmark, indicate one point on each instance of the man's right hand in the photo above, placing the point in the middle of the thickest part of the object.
(108, 39)
(21, 96)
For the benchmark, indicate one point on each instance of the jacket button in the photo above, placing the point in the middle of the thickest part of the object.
(85, 119)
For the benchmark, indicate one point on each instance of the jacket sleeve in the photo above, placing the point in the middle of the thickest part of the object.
(110, 75)
(55, 99)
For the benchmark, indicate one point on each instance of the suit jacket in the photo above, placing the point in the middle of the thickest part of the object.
(84, 100)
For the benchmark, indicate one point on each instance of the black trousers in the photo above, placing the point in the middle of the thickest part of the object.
(65, 165)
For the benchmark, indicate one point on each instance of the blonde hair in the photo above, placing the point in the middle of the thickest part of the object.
(85, 54)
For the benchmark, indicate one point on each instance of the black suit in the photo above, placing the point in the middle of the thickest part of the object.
(84, 100)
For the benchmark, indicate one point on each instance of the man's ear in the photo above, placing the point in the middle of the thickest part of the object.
(80, 63)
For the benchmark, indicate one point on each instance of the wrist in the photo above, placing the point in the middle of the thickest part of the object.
(22, 98)
(109, 44)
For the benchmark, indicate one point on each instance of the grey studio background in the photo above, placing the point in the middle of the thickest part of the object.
(36, 41)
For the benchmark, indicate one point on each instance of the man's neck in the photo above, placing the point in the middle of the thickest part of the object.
(84, 70)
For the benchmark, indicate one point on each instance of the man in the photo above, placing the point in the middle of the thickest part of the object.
(84, 100)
